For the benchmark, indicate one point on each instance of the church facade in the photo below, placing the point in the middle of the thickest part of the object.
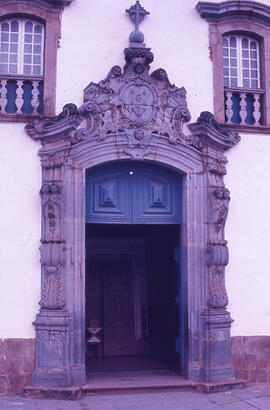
(134, 208)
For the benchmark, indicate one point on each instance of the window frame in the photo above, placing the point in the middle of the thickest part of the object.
(239, 59)
(228, 17)
(50, 16)
(240, 26)
(21, 43)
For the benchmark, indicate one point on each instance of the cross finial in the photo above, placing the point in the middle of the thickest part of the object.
(137, 14)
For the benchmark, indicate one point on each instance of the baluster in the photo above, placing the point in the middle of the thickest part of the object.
(19, 100)
(3, 95)
(256, 106)
(35, 94)
(243, 108)
(229, 104)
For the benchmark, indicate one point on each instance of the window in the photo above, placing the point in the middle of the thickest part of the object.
(239, 43)
(22, 47)
(29, 36)
(241, 63)
(21, 56)
(243, 103)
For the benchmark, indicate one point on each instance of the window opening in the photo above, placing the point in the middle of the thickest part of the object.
(242, 80)
(21, 66)
(241, 66)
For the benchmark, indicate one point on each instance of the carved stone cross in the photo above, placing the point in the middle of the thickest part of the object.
(137, 14)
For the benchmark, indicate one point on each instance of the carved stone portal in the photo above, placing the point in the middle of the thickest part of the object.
(132, 115)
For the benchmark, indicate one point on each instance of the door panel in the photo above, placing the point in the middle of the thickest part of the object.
(155, 198)
(106, 199)
(119, 338)
(93, 295)
(110, 300)
(132, 193)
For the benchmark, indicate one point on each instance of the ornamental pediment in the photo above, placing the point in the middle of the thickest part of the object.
(137, 107)
(133, 100)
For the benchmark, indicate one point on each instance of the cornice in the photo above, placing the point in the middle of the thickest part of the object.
(212, 133)
(229, 9)
(58, 3)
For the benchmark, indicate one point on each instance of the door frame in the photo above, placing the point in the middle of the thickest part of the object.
(205, 321)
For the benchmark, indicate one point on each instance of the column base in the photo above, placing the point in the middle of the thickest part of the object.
(75, 377)
(217, 365)
(52, 379)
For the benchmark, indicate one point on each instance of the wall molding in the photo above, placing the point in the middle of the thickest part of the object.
(229, 9)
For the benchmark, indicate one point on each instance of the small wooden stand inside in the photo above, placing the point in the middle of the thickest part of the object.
(94, 338)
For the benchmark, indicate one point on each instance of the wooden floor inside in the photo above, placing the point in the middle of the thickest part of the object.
(116, 364)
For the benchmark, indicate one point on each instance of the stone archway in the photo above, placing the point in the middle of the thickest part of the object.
(132, 115)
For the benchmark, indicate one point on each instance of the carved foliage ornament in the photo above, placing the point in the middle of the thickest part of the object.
(51, 292)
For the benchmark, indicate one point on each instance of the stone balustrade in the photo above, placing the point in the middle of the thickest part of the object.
(21, 96)
(244, 106)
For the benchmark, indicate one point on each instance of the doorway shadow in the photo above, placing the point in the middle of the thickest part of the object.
(133, 299)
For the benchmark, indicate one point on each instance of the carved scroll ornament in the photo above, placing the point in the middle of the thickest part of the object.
(217, 251)
(217, 259)
(212, 134)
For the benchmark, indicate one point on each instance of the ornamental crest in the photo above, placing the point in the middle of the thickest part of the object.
(139, 102)
(132, 104)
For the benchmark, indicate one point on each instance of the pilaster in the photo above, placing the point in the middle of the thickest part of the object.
(215, 319)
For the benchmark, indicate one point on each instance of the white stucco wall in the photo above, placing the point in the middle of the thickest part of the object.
(94, 36)
(20, 232)
(248, 232)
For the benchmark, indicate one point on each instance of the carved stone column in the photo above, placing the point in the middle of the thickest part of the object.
(53, 336)
(216, 320)
(52, 322)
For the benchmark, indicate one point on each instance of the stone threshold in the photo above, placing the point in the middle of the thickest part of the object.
(101, 384)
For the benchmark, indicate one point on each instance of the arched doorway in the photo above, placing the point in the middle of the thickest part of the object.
(132, 115)
(132, 281)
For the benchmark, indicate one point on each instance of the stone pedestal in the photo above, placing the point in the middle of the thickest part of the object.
(52, 349)
(217, 365)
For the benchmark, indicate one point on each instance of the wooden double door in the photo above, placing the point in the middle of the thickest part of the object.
(132, 193)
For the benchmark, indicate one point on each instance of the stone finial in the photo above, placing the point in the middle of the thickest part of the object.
(137, 14)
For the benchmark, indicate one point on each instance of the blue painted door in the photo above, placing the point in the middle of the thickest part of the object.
(132, 193)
